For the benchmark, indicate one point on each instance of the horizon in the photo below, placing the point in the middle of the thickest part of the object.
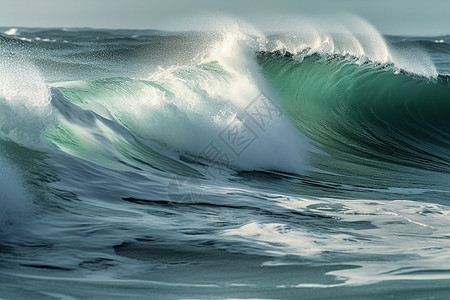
(413, 18)
(187, 30)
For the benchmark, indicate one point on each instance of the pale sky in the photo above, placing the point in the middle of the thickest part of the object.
(431, 17)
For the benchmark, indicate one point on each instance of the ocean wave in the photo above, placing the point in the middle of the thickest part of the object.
(342, 102)
(345, 91)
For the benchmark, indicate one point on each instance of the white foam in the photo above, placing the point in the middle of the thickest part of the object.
(12, 31)
(414, 233)
(44, 39)
(291, 241)
(343, 34)
(25, 39)
(25, 109)
(414, 60)
(347, 35)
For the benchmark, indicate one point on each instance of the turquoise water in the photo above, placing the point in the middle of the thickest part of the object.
(223, 165)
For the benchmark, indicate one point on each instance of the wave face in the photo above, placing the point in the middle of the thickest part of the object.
(366, 110)
(266, 164)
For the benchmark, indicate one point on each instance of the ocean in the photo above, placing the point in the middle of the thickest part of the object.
(224, 164)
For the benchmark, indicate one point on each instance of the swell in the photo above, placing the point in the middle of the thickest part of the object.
(352, 109)
(339, 98)
(368, 109)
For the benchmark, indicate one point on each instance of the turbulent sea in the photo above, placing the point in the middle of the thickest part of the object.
(225, 164)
